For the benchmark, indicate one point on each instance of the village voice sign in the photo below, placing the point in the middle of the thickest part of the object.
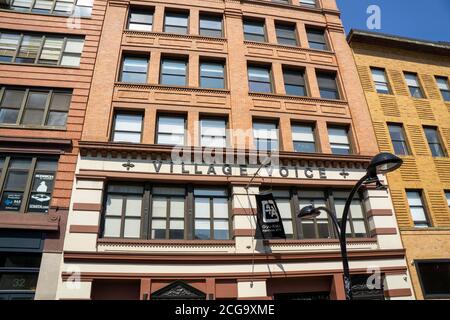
(270, 225)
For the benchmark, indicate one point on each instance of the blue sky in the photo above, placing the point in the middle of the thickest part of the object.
(422, 19)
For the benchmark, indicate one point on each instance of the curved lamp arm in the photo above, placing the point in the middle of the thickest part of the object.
(334, 219)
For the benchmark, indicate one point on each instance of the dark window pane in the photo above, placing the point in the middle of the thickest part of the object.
(340, 151)
(8, 115)
(173, 80)
(255, 37)
(16, 180)
(60, 101)
(304, 147)
(134, 77)
(57, 119)
(12, 98)
(211, 33)
(32, 116)
(176, 234)
(435, 278)
(316, 39)
(212, 83)
(20, 164)
(295, 90)
(37, 100)
(329, 94)
(175, 29)
(260, 87)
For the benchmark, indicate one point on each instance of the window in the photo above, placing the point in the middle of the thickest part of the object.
(434, 278)
(328, 85)
(27, 184)
(211, 26)
(254, 30)
(316, 39)
(286, 34)
(34, 106)
(134, 69)
(356, 226)
(211, 214)
(321, 226)
(176, 22)
(81, 8)
(173, 72)
(40, 49)
(303, 138)
(171, 130)
(127, 128)
(308, 3)
(434, 142)
(447, 195)
(213, 133)
(338, 137)
(443, 86)
(259, 79)
(294, 82)
(381, 83)
(265, 135)
(168, 213)
(123, 213)
(283, 200)
(212, 75)
(398, 139)
(417, 209)
(139, 20)
(413, 84)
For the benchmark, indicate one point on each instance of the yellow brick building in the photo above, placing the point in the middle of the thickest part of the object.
(406, 83)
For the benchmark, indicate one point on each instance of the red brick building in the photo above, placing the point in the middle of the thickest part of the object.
(48, 51)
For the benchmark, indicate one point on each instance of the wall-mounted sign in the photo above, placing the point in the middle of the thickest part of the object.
(270, 225)
(11, 201)
(41, 195)
(241, 170)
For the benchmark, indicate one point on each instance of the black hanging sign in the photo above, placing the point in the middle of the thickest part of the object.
(270, 225)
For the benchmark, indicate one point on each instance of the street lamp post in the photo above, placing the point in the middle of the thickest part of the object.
(380, 164)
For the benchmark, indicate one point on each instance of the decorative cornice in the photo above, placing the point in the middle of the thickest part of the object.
(173, 35)
(299, 99)
(318, 10)
(231, 258)
(165, 243)
(292, 48)
(318, 242)
(118, 3)
(145, 151)
(170, 88)
(29, 221)
(34, 145)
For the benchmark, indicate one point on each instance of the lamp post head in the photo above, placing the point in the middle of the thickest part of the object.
(383, 163)
(308, 212)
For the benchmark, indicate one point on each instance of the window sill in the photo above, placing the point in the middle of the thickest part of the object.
(142, 242)
(25, 127)
(37, 65)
